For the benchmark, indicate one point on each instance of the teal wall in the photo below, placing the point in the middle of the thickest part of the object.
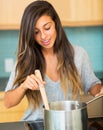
(8, 48)
(90, 38)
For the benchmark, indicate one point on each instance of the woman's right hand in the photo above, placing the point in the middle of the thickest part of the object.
(32, 82)
(14, 96)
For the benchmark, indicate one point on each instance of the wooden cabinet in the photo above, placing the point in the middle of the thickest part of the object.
(14, 113)
(85, 12)
(11, 12)
(79, 12)
(71, 12)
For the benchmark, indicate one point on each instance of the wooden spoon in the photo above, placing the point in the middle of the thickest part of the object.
(42, 90)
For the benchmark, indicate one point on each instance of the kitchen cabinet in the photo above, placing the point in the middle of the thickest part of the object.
(71, 12)
(80, 12)
(85, 12)
(12, 114)
(11, 12)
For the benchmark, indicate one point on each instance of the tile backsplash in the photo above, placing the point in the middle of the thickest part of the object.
(8, 48)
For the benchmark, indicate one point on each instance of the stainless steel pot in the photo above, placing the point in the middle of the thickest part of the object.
(67, 115)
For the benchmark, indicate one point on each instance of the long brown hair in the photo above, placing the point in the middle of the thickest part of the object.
(30, 56)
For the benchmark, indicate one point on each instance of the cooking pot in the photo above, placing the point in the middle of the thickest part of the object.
(67, 115)
(64, 115)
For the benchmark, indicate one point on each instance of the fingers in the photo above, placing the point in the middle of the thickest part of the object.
(32, 82)
(100, 93)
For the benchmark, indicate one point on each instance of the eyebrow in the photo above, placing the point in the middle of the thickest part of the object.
(44, 24)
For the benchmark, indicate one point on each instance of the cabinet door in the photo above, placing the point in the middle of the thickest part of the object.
(62, 8)
(12, 114)
(11, 12)
(79, 12)
(71, 12)
(85, 12)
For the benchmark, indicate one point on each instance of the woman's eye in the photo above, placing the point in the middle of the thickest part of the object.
(47, 28)
(36, 32)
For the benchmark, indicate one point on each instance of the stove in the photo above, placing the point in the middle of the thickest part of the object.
(93, 124)
(96, 123)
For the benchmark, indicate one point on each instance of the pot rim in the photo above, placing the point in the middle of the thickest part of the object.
(67, 101)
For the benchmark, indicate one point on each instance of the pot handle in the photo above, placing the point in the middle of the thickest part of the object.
(94, 99)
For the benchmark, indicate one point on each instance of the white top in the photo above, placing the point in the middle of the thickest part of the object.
(53, 89)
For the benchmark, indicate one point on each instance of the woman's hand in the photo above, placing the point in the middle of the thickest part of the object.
(32, 82)
(96, 90)
(100, 93)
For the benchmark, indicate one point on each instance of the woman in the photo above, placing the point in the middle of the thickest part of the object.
(65, 68)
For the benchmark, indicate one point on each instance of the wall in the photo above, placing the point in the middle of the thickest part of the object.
(91, 38)
(8, 47)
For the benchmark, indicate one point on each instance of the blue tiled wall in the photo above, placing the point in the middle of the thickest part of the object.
(8, 48)
(90, 38)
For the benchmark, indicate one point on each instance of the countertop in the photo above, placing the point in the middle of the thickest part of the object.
(13, 126)
(94, 124)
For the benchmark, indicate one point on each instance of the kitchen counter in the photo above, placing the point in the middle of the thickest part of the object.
(13, 126)
(93, 124)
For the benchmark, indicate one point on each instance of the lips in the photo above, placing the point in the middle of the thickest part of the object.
(46, 42)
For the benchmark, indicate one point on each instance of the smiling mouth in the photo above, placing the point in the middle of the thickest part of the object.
(46, 42)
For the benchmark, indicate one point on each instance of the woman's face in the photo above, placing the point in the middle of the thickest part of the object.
(45, 32)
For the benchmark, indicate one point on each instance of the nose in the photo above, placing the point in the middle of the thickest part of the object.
(43, 35)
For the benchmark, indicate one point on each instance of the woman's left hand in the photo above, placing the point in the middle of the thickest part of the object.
(101, 92)
(96, 90)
